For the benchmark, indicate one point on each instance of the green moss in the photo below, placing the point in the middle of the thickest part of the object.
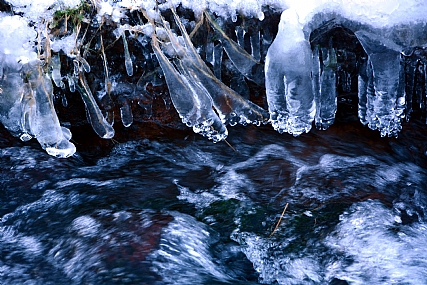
(73, 15)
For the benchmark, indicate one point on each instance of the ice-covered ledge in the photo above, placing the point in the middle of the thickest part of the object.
(212, 56)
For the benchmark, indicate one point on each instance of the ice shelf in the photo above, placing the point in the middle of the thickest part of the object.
(209, 54)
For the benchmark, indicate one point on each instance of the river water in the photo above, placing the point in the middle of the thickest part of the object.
(187, 211)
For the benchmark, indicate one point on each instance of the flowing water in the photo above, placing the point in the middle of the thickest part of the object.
(187, 211)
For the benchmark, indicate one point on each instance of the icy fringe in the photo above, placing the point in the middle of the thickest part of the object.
(301, 75)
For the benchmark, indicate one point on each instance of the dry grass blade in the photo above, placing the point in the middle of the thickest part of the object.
(230, 145)
(280, 219)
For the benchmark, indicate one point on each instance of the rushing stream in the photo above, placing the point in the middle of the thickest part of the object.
(187, 211)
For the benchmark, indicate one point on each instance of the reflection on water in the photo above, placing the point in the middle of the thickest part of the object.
(187, 211)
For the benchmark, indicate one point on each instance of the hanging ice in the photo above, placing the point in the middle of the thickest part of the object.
(56, 71)
(42, 117)
(384, 88)
(288, 78)
(230, 106)
(93, 113)
(243, 61)
(193, 106)
(325, 87)
(128, 60)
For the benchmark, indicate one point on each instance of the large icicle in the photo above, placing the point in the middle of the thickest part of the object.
(193, 106)
(288, 82)
(388, 98)
(43, 120)
(11, 106)
(231, 107)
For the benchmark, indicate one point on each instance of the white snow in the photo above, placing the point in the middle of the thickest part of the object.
(16, 40)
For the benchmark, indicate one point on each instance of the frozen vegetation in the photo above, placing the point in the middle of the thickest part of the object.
(300, 67)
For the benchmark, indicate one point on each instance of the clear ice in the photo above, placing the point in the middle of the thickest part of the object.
(384, 87)
(325, 87)
(288, 81)
(27, 110)
(302, 79)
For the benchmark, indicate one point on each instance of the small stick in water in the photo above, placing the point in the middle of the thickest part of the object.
(280, 219)
(230, 146)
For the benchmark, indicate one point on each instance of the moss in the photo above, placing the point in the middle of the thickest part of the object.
(71, 15)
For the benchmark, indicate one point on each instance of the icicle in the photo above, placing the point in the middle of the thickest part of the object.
(288, 78)
(244, 62)
(44, 121)
(256, 46)
(64, 100)
(126, 115)
(11, 95)
(240, 35)
(56, 71)
(363, 83)
(71, 83)
(326, 101)
(128, 60)
(217, 64)
(419, 88)
(425, 92)
(389, 101)
(209, 50)
(84, 63)
(193, 106)
(76, 68)
(27, 112)
(99, 124)
(409, 85)
(231, 106)
(1, 66)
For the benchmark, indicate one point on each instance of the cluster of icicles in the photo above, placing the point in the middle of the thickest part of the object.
(300, 85)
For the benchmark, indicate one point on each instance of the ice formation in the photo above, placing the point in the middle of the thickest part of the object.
(302, 68)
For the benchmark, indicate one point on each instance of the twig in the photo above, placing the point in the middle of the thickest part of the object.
(230, 146)
(280, 219)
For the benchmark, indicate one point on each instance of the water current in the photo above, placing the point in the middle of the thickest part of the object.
(187, 211)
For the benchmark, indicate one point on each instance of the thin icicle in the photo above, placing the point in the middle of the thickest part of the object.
(217, 62)
(126, 115)
(256, 46)
(240, 35)
(94, 115)
(326, 102)
(425, 91)
(363, 82)
(56, 71)
(128, 60)
(244, 62)
(209, 50)
(409, 85)
(71, 83)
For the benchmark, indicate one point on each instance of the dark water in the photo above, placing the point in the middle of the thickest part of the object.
(186, 211)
